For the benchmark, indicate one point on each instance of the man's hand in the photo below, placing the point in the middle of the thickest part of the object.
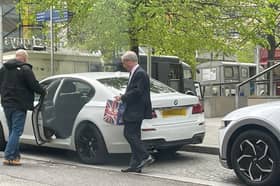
(118, 98)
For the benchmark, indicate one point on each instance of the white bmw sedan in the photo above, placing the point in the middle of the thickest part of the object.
(250, 143)
(71, 115)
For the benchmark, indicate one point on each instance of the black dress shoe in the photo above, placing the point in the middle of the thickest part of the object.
(146, 162)
(130, 169)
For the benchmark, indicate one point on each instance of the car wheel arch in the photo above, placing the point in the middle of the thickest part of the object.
(242, 129)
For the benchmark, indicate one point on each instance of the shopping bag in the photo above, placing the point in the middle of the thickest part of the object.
(113, 113)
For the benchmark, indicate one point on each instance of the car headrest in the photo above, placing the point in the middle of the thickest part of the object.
(68, 87)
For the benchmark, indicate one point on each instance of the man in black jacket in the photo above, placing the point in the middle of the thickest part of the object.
(138, 107)
(18, 85)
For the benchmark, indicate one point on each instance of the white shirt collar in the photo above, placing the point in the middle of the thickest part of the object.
(133, 69)
(132, 72)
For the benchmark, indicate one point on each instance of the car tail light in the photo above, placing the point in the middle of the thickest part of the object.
(197, 109)
(154, 114)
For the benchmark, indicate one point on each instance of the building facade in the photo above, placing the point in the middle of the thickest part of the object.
(11, 23)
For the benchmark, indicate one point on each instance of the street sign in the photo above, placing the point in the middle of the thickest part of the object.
(41, 16)
(58, 16)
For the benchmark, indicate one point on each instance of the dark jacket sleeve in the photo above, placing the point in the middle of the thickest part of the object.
(137, 89)
(31, 81)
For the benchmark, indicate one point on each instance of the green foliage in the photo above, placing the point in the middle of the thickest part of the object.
(257, 22)
(104, 27)
(171, 27)
(246, 53)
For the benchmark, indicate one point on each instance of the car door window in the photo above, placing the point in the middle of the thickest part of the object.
(46, 84)
(44, 115)
(48, 107)
(86, 91)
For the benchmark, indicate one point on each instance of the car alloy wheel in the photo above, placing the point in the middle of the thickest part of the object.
(254, 156)
(90, 145)
(255, 161)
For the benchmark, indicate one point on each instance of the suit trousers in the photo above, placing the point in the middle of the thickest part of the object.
(132, 133)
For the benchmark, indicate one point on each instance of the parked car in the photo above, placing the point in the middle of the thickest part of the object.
(250, 143)
(70, 116)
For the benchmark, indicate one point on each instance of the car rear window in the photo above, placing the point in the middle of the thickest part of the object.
(120, 83)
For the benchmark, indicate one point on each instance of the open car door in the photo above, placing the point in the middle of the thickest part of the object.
(44, 115)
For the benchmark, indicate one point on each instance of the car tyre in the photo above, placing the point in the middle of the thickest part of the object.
(255, 157)
(2, 139)
(90, 145)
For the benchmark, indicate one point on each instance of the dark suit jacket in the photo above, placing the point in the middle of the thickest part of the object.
(137, 97)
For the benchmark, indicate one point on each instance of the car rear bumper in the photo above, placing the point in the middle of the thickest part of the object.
(159, 136)
(163, 144)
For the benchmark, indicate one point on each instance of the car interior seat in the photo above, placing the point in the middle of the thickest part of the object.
(68, 105)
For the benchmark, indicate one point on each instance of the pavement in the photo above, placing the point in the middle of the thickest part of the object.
(210, 143)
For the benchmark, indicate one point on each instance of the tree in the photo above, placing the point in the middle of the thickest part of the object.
(174, 27)
(246, 53)
(257, 22)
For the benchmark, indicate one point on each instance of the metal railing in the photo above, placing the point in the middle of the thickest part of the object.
(237, 89)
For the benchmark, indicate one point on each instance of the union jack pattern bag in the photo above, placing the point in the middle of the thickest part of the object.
(113, 113)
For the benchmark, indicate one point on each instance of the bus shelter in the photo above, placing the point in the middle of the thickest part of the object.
(219, 78)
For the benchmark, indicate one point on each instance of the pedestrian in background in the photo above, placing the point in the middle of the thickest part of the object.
(18, 84)
(138, 107)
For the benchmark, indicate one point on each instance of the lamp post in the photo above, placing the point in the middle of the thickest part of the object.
(149, 61)
(52, 45)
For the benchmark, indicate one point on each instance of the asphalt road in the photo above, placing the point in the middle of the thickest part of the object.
(47, 166)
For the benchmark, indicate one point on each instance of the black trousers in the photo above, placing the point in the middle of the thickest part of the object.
(132, 133)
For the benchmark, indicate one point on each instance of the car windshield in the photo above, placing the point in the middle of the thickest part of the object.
(118, 84)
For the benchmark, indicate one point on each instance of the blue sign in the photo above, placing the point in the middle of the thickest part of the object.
(57, 16)
(40, 17)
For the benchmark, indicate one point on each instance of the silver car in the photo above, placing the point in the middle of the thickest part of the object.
(250, 143)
